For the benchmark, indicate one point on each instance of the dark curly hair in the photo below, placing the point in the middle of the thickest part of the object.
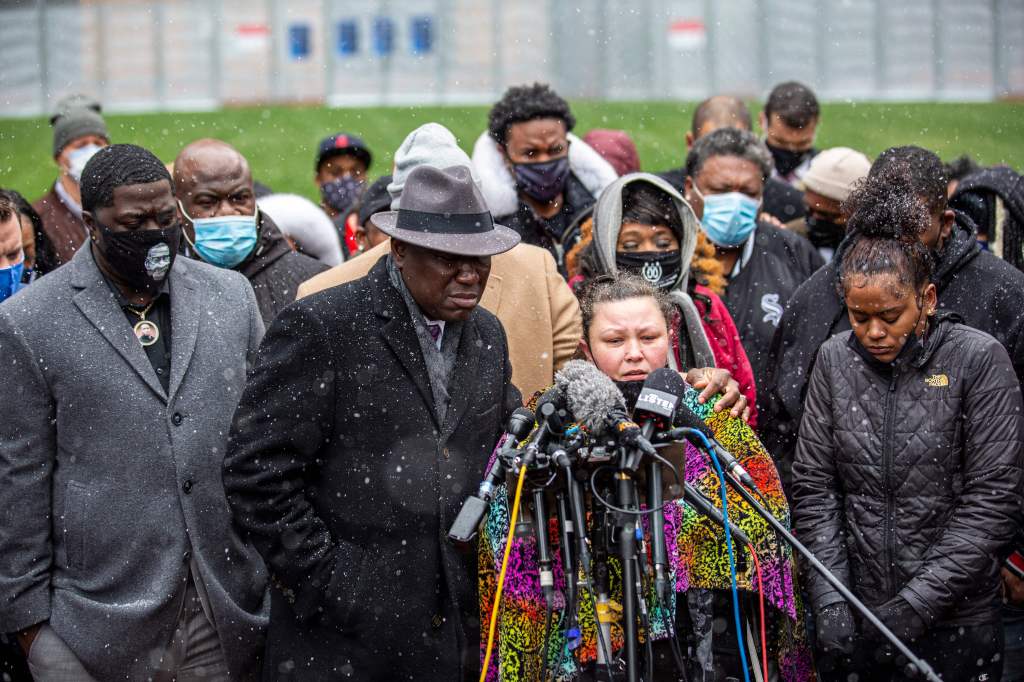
(116, 166)
(922, 169)
(886, 219)
(526, 103)
(608, 289)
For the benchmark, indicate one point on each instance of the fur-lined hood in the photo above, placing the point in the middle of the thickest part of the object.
(499, 187)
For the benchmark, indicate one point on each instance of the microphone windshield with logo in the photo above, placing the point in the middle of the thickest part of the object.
(660, 396)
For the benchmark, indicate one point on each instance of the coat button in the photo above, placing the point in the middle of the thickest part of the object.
(177, 419)
(187, 486)
(187, 556)
(445, 453)
(436, 621)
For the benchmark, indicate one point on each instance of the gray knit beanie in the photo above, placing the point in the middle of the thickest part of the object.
(429, 145)
(76, 116)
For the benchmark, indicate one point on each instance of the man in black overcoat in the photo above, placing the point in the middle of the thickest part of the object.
(368, 417)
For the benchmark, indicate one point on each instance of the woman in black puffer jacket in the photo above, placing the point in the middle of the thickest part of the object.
(908, 470)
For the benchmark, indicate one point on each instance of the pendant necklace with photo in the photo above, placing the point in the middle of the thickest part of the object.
(145, 330)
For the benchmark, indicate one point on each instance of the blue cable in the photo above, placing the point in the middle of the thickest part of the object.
(732, 558)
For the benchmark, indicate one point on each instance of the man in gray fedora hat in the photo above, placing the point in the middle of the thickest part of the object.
(368, 417)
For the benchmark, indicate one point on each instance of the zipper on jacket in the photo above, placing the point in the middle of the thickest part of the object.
(890, 494)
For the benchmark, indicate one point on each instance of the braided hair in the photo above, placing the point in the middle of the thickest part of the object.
(117, 166)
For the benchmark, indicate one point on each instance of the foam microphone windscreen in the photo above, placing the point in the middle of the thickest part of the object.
(589, 394)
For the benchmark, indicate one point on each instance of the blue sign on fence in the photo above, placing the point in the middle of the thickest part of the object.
(348, 37)
(383, 36)
(299, 41)
(422, 35)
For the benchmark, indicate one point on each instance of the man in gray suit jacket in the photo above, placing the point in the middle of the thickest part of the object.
(121, 370)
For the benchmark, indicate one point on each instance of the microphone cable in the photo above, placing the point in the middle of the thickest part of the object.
(547, 643)
(732, 557)
(760, 599)
(637, 512)
(501, 574)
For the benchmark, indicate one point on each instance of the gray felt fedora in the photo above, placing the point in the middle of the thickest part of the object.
(443, 210)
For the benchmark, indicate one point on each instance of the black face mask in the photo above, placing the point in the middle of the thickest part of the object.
(542, 180)
(141, 258)
(661, 269)
(824, 233)
(786, 160)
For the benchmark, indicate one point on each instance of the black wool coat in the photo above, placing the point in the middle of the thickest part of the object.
(347, 486)
(907, 477)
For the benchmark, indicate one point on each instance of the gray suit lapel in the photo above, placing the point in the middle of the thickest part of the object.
(99, 305)
(186, 307)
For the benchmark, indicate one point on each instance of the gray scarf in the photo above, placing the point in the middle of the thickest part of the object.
(440, 363)
(691, 329)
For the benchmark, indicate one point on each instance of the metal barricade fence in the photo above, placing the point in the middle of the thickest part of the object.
(202, 54)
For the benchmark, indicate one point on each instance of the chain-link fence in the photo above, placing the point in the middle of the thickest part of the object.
(189, 54)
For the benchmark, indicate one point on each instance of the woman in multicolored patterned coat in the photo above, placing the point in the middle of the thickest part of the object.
(625, 335)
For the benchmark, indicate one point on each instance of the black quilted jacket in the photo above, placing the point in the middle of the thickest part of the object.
(907, 477)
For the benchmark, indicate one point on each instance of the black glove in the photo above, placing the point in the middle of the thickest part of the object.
(836, 628)
(902, 619)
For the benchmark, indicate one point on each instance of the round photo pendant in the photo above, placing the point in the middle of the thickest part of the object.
(146, 332)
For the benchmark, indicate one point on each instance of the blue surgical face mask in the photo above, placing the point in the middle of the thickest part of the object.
(10, 279)
(729, 219)
(224, 241)
(78, 158)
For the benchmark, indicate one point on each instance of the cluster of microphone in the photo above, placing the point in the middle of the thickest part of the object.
(586, 399)
(581, 430)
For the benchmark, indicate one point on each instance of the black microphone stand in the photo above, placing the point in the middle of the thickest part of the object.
(923, 667)
(659, 553)
(625, 489)
(601, 590)
(544, 563)
(566, 538)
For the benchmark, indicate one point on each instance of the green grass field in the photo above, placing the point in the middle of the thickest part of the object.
(280, 141)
